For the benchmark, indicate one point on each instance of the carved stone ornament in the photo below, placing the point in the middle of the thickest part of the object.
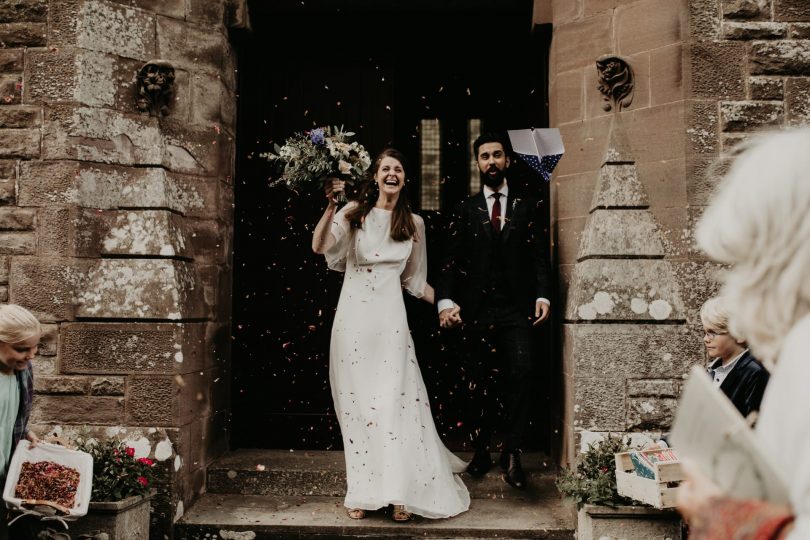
(155, 88)
(615, 82)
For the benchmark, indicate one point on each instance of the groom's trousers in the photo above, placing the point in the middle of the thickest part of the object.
(499, 372)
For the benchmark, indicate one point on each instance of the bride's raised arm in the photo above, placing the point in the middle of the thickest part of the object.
(322, 238)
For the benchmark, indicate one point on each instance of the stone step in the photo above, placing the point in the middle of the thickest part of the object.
(254, 517)
(323, 473)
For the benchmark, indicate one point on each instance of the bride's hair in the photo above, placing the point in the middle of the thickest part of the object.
(402, 226)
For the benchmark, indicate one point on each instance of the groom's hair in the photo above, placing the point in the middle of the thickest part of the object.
(492, 137)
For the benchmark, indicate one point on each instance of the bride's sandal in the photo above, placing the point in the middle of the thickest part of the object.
(399, 514)
(356, 513)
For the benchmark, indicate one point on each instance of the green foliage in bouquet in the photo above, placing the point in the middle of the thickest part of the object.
(117, 473)
(315, 155)
(593, 480)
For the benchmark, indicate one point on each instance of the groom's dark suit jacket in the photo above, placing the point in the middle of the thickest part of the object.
(471, 254)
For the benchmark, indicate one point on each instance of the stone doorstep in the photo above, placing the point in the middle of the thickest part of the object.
(322, 473)
(324, 517)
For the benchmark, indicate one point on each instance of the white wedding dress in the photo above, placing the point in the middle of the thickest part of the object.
(393, 452)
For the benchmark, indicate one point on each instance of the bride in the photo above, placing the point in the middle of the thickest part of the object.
(393, 453)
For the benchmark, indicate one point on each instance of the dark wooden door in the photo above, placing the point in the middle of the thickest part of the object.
(340, 63)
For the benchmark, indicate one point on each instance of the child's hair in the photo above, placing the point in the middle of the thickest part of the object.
(17, 324)
(714, 314)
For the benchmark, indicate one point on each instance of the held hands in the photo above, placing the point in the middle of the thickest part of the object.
(541, 312)
(449, 317)
(332, 187)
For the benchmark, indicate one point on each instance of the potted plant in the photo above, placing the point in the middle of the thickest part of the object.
(122, 483)
(601, 511)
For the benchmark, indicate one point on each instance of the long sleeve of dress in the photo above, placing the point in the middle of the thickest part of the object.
(342, 232)
(414, 276)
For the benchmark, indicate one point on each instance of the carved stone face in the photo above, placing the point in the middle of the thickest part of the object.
(157, 77)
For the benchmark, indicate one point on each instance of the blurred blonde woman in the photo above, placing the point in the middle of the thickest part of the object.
(758, 222)
(20, 333)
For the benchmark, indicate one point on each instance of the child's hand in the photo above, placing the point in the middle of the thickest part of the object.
(32, 438)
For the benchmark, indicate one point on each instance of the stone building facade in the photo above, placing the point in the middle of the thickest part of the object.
(116, 219)
(708, 73)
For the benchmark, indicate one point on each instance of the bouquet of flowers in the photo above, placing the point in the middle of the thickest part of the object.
(313, 156)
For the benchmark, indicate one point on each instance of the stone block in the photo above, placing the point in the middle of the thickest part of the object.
(748, 31)
(228, 110)
(10, 88)
(717, 70)
(766, 88)
(4, 293)
(47, 182)
(23, 34)
(656, 133)
(111, 28)
(61, 384)
(569, 237)
(650, 413)
(618, 186)
(8, 168)
(8, 195)
(664, 182)
(51, 75)
(192, 149)
(207, 241)
(620, 233)
(18, 243)
(702, 121)
(59, 232)
(703, 20)
(96, 85)
(572, 194)
(19, 143)
(22, 116)
(797, 31)
(64, 22)
(580, 43)
(632, 351)
(797, 101)
(701, 180)
(780, 58)
(77, 410)
(590, 7)
(747, 9)
(11, 60)
(654, 387)
(648, 24)
(152, 400)
(107, 386)
(585, 146)
(24, 11)
(565, 10)
(791, 10)
(49, 342)
(140, 289)
(666, 74)
(45, 285)
(206, 13)
(206, 96)
(568, 94)
(119, 348)
(4, 269)
(624, 290)
(44, 367)
(169, 8)
(599, 403)
(188, 47)
(17, 219)
(154, 233)
(749, 115)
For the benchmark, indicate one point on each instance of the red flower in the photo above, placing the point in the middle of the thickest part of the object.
(130, 451)
(146, 461)
(143, 481)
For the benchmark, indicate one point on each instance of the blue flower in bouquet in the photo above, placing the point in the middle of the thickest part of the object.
(310, 158)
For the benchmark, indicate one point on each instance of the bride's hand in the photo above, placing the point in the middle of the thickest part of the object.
(333, 187)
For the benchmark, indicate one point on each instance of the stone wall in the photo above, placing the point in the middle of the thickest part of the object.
(116, 226)
(708, 73)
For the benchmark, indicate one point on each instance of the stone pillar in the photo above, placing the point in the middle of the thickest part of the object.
(116, 224)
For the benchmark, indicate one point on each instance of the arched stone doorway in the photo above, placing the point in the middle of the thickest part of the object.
(478, 66)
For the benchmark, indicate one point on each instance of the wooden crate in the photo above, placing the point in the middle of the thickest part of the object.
(653, 491)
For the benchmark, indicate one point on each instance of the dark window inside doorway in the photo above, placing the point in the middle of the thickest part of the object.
(379, 68)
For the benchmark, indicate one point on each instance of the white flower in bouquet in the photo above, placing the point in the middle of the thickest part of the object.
(313, 156)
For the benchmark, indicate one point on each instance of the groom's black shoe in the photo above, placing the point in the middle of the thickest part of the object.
(480, 464)
(513, 470)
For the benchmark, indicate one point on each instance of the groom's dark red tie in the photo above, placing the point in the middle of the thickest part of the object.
(496, 213)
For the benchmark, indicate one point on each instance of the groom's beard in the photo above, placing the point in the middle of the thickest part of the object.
(493, 180)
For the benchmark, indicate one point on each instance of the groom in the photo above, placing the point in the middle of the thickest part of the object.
(495, 278)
